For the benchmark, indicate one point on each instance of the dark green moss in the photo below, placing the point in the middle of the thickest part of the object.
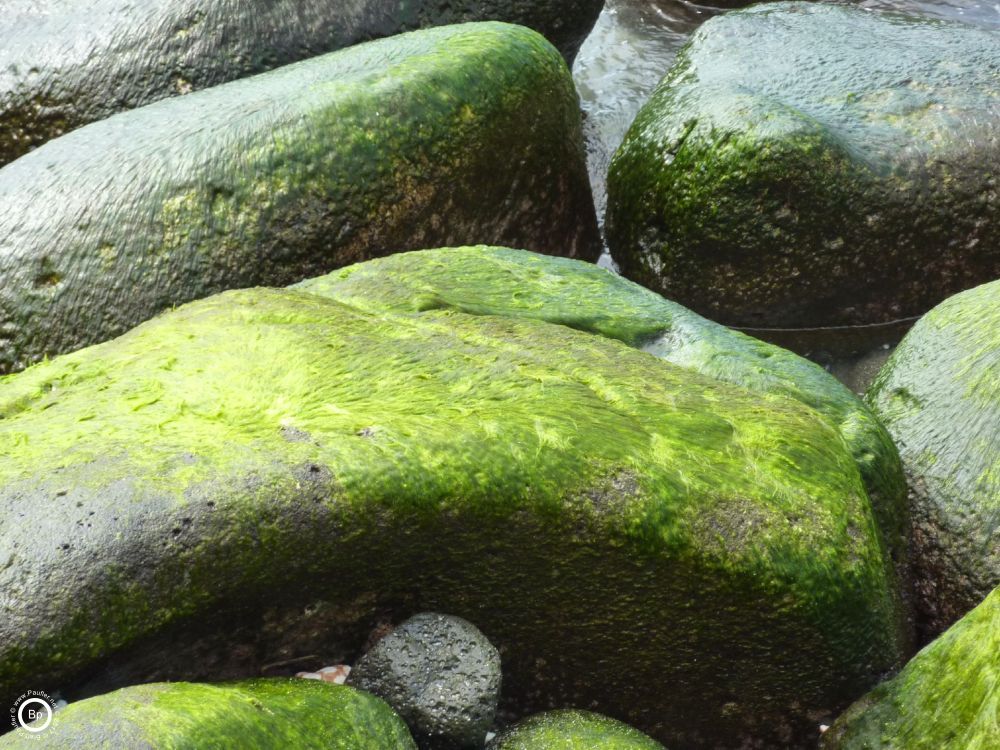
(808, 164)
(573, 730)
(444, 136)
(69, 63)
(261, 475)
(939, 396)
(283, 714)
(946, 697)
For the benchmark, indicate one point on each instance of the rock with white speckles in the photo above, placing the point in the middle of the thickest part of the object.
(440, 674)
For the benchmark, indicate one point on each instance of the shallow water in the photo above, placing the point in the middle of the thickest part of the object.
(630, 49)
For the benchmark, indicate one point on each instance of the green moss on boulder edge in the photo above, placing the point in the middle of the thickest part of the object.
(484, 280)
(68, 63)
(450, 135)
(805, 164)
(280, 714)
(263, 472)
(572, 730)
(946, 697)
(939, 397)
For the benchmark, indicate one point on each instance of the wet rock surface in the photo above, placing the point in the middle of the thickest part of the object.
(572, 730)
(805, 164)
(66, 64)
(939, 397)
(289, 174)
(612, 521)
(440, 674)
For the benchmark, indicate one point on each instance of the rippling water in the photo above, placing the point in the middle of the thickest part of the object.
(630, 49)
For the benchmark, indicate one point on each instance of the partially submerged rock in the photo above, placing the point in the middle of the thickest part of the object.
(442, 136)
(939, 396)
(946, 697)
(572, 730)
(259, 714)
(809, 164)
(500, 281)
(68, 63)
(261, 475)
(440, 674)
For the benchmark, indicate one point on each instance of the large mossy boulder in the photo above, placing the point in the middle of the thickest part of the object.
(67, 63)
(443, 136)
(262, 475)
(501, 281)
(813, 164)
(947, 697)
(276, 714)
(572, 730)
(939, 396)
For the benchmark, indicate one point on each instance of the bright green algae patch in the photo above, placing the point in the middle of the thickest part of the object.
(573, 730)
(500, 281)
(811, 164)
(948, 696)
(256, 476)
(280, 714)
(939, 396)
(450, 135)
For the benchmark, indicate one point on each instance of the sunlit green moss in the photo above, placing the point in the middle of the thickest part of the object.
(261, 714)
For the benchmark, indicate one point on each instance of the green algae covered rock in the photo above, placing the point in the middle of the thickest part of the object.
(812, 164)
(259, 476)
(572, 730)
(500, 281)
(66, 63)
(443, 136)
(939, 396)
(283, 714)
(946, 697)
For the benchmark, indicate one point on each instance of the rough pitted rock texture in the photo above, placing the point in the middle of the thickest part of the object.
(266, 474)
(810, 164)
(258, 714)
(501, 281)
(946, 697)
(440, 674)
(939, 396)
(68, 63)
(572, 730)
(443, 136)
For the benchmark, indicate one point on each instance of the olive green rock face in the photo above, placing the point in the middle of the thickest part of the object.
(573, 730)
(66, 63)
(444, 136)
(939, 396)
(260, 476)
(946, 697)
(283, 714)
(809, 164)
(500, 281)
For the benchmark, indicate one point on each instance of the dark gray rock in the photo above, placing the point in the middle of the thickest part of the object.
(440, 674)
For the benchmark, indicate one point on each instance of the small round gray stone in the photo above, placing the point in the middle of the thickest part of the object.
(439, 673)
